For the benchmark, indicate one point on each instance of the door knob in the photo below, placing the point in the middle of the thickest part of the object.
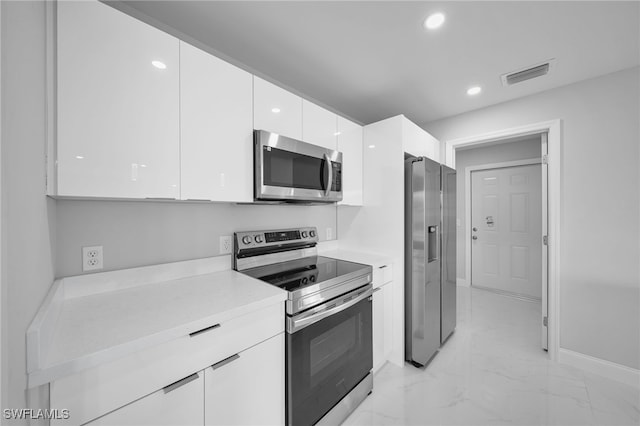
(474, 237)
(475, 229)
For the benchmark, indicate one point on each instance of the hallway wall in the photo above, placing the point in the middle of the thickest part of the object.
(600, 211)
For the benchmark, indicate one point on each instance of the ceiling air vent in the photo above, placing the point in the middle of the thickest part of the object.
(528, 73)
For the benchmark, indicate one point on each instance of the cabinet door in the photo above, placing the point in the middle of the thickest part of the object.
(350, 144)
(177, 404)
(319, 126)
(387, 292)
(247, 388)
(276, 110)
(382, 325)
(378, 328)
(216, 126)
(117, 105)
(418, 142)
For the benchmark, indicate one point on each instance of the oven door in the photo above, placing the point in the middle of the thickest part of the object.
(329, 351)
(288, 169)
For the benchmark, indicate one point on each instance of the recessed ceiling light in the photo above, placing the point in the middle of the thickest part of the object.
(434, 21)
(159, 65)
(337, 133)
(79, 157)
(372, 146)
(275, 110)
(474, 90)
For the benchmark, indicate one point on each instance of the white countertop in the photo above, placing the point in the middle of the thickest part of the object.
(374, 259)
(77, 329)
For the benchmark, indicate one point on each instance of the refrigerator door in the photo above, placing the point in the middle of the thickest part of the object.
(448, 258)
(422, 259)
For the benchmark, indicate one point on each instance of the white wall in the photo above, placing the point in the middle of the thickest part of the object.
(600, 217)
(520, 150)
(28, 217)
(135, 233)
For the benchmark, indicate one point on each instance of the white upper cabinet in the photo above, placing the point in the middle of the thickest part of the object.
(319, 126)
(276, 110)
(117, 105)
(350, 141)
(216, 117)
(418, 142)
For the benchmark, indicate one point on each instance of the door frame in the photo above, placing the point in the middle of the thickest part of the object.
(553, 128)
(467, 207)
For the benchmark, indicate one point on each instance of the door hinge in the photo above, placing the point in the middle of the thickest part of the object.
(545, 159)
(545, 240)
(544, 321)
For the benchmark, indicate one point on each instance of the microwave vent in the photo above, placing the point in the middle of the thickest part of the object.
(528, 73)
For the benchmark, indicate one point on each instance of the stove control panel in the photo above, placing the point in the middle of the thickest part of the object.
(275, 238)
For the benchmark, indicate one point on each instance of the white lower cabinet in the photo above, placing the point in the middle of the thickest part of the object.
(176, 404)
(382, 324)
(211, 375)
(243, 389)
(247, 388)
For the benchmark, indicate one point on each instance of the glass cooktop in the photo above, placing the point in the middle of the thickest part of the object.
(297, 274)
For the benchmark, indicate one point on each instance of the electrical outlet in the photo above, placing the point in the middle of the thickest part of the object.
(329, 233)
(92, 258)
(225, 244)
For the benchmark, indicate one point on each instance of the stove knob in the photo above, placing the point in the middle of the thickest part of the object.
(246, 239)
(304, 234)
(304, 280)
(258, 238)
(312, 278)
(312, 233)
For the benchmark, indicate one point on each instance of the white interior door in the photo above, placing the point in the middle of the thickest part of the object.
(506, 225)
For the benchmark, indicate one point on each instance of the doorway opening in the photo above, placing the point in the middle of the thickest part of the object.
(542, 140)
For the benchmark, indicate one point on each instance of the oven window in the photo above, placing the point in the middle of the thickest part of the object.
(291, 170)
(327, 349)
(326, 360)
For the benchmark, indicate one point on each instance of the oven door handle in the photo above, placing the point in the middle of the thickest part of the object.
(330, 180)
(294, 325)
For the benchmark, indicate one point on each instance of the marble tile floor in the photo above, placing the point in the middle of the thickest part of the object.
(492, 371)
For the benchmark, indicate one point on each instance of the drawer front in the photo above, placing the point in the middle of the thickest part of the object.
(181, 405)
(99, 390)
(382, 275)
(247, 389)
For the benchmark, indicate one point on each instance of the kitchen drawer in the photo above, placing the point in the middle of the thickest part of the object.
(175, 405)
(382, 274)
(99, 390)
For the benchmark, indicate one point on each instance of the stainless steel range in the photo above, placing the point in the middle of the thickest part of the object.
(328, 321)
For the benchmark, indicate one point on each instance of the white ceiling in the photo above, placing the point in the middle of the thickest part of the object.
(372, 60)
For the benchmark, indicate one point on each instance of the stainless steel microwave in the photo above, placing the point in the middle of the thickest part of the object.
(286, 169)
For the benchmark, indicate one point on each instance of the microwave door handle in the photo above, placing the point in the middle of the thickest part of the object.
(330, 180)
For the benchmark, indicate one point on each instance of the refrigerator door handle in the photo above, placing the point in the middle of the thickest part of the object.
(433, 249)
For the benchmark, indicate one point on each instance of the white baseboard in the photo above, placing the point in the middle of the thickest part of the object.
(462, 282)
(611, 370)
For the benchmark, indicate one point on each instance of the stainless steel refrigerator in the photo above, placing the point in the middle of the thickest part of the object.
(430, 257)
